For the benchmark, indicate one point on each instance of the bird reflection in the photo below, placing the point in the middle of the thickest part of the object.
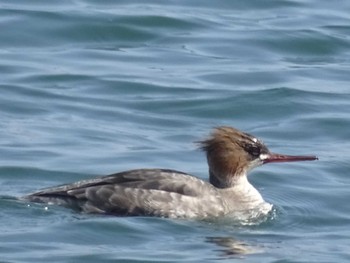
(233, 247)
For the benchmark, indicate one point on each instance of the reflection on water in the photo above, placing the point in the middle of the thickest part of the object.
(230, 246)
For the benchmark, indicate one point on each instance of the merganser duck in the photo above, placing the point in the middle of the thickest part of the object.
(231, 154)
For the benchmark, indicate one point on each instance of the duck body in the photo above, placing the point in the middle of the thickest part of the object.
(149, 192)
(230, 153)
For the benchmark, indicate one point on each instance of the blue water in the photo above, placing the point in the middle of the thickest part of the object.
(94, 87)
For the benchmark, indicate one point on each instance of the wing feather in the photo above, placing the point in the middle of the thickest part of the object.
(137, 192)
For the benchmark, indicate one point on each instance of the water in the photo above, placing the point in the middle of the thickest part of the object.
(93, 87)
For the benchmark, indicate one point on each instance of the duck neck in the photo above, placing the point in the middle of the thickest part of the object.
(227, 181)
(237, 185)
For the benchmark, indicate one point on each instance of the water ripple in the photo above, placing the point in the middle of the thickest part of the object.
(94, 87)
